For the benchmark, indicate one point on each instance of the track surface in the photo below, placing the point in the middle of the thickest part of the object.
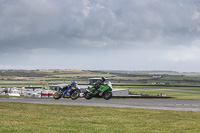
(180, 105)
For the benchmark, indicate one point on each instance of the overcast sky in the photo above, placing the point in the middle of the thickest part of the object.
(100, 34)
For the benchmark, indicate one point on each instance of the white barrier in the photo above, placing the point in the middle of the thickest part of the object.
(50, 94)
(44, 94)
(13, 94)
(36, 95)
(2, 93)
(29, 93)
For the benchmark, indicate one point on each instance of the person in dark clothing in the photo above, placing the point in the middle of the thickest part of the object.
(99, 82)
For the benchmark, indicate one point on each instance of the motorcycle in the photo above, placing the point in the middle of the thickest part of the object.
(104, 90)
(67, 92)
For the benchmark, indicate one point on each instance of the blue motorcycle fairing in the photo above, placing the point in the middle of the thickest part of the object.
(67, 92)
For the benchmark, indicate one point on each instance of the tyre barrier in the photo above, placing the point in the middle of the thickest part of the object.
(47, 94)
(50, 94)
(44, 94)
(2, 93)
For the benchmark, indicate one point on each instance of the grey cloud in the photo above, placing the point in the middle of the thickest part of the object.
(96, 26)
(48, 22)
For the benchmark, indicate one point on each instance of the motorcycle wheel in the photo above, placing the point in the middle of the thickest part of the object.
(74, 96)
(107, 95)
(88, 96)
(57, 95)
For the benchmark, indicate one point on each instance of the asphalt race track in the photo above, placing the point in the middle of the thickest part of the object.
(180, 105)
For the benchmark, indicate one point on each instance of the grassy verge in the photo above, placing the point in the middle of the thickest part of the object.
(23, 117)
(162, 87)
(176, 95)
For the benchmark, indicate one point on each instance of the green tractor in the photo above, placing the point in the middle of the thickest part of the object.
(102, 88)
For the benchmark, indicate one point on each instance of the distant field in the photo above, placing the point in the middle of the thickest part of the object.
(132, 81)
(23, 118)
(66, 76)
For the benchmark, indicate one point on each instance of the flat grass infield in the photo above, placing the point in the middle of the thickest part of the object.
(176, 95)
(37, 118)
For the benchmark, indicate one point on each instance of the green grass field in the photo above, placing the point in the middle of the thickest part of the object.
(174, 94)
(35, 118)
(153, 91)
(163, 87)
